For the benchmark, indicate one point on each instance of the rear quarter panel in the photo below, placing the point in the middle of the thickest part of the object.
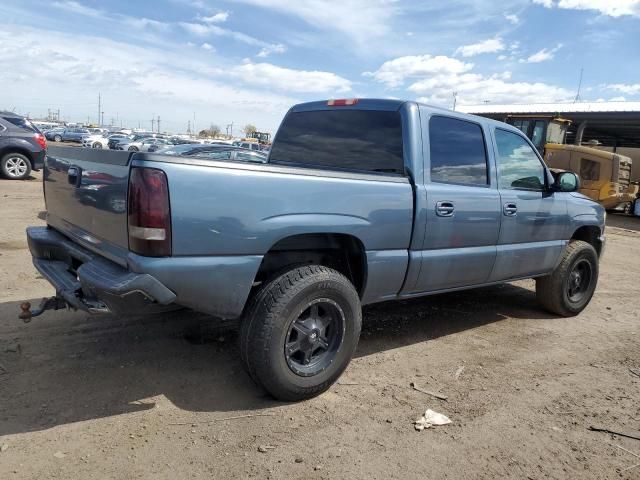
(224, 209)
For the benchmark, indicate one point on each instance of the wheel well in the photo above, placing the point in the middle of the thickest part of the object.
(344, 253)
(22, 151)
(589, 234)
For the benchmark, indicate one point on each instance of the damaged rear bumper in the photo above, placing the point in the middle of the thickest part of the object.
(91, 283)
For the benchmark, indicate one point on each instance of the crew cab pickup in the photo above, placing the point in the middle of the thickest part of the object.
(360, 201)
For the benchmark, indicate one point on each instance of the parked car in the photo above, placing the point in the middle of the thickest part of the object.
(96, 141)
(73, 134)
(52, 132)
(360, 202)
(22, 146)
(250, 146)
(141, 145)
(116, 138)
(215, 152)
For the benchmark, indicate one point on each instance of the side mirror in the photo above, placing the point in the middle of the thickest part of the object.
(566, 182)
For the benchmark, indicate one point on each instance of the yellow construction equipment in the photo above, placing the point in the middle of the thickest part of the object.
(604, 176)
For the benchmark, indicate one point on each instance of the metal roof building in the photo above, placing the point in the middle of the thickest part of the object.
(614, 125)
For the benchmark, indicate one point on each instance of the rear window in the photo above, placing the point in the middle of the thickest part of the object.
(363, 140)
(22, 123)
(457, 152)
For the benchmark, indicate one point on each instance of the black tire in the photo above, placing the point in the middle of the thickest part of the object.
(558, 292)
(269, 321)
(133, 149)
(97, 145)
(57, 138)
(15, 166)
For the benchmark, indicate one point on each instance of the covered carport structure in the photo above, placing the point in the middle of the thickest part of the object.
(615, 126)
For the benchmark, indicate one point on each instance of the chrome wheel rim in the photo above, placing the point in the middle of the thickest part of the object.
(16, 166)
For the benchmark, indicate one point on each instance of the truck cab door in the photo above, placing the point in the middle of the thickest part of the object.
(462, 202)
(533, 219)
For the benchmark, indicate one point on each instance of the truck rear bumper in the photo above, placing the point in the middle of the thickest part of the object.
(90, 282)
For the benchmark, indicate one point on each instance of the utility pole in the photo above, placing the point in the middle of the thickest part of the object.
(99, 108)
(575, 100)
(158, 123)
(58, 116)
(230, 129)
(189, 127)
(102, 119)
(153, 124)
(194, 123)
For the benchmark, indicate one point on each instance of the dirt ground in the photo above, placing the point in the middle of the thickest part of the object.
(104, 397)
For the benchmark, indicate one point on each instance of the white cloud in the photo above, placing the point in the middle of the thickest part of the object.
(512, 19)
(360, 20)
(436, 85)
(266, 51)
(490, 45)
(502, 57)
(143, 23)
(633, 89)
(611, 8)
(78, 9)
(394, 72)
(542, 55)
(207, 46)
(286, 79)
(208, 30)
(136, 81)
(219, 17)
(618, 99)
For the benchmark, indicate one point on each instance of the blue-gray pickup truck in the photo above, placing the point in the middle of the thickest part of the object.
(360, 201)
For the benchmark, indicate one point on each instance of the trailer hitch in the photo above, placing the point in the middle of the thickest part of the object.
(51, 303)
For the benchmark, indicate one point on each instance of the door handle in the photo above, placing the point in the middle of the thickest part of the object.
(510, 209)
(445, 209)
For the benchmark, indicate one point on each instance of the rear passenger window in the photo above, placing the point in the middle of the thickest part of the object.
(365, 140)
(457, 152)
(22, 123)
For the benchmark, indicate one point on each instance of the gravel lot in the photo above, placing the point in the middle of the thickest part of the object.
(105, 397)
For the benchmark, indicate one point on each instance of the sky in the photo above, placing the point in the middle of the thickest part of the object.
(248, 61)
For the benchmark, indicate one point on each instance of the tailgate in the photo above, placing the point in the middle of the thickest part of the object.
(86, 197)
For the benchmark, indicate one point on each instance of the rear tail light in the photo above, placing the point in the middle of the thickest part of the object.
(345, 102)
(149, 213)
(40, 140)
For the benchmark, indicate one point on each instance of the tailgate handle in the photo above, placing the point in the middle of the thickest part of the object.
(73, 176)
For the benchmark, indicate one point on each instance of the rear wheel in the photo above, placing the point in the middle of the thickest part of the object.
(15, 166)
(57, 138)
(300, 331)
(568, 290)
(133, 149)
(97, 145)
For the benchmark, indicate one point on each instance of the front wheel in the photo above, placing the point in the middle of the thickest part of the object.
(300, 331)
(569, 288)
(57, 138)
(97, 145)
